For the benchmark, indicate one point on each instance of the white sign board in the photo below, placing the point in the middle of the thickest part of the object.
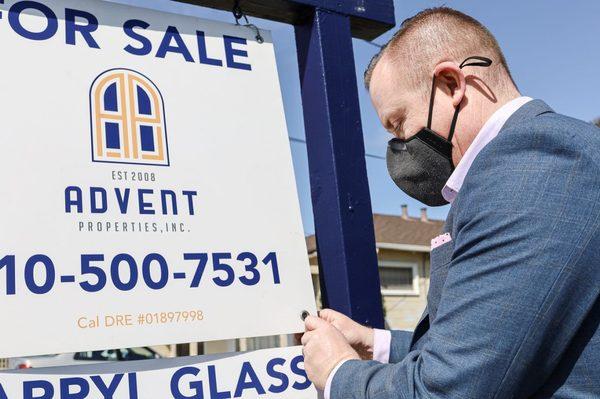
(273, 373)
(147, 194)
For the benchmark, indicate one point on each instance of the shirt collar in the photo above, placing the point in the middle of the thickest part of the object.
(487, 133)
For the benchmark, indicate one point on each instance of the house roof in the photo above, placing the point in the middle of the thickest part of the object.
(400, 230)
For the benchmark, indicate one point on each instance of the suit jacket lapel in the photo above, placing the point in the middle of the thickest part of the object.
(423, 324)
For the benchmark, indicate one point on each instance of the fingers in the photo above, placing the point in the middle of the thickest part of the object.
(312, 323)
(329, 315)
(306, 338)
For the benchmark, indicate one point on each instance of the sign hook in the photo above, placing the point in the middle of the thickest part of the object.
(238, 14)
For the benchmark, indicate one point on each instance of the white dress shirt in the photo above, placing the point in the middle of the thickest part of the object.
(382, 338)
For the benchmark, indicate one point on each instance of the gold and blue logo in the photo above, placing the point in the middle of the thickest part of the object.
(128, 119)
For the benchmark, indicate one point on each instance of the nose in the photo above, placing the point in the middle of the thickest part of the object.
(397, 144)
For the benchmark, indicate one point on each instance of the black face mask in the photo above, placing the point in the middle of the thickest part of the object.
(422, 165)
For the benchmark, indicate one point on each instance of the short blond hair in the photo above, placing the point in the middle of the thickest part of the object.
(441, 34)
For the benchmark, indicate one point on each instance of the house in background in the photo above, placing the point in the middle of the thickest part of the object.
(403, 246)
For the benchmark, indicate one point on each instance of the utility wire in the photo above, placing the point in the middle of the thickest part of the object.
(297, 140)
(379, 46)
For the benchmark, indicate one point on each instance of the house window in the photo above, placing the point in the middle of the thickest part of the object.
(399, 278)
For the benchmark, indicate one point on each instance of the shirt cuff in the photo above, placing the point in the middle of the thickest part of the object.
(327, 392)
(382, 342)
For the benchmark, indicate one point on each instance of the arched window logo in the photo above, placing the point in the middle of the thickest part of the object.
(128, 119)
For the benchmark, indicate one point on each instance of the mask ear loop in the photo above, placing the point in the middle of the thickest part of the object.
(483, 62)
(453, 124)
(479, 61)
(431, 101)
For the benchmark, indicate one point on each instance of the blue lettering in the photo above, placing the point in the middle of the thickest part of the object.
(204, 59)
(230, 53)
(190, 195)
(133, 389)
(296, 369)
(214, 389)
(163, 198)
(3, 394)
(69, 202)
(285, 381)
(180, 48)
(103, 207)
(107, 391)
(146, 44)
(67, 383)
(101, 201)
(145, 207)
(123, 199)
(30, 270)
(115, 275)
(254, 383)
(14, 20)
(86, 30)
(195, 386)
(30, 386)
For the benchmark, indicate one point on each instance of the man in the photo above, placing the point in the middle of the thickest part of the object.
(513, 304)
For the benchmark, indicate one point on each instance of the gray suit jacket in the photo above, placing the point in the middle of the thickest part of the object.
(514, 301)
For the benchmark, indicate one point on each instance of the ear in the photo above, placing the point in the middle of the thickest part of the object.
(449, 74)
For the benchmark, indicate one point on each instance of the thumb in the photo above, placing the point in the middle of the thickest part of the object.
(312, 323)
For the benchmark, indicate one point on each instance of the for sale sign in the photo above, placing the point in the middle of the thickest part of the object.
(146, 189)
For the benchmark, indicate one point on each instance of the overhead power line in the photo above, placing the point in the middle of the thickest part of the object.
(297, 140)
(379, 46)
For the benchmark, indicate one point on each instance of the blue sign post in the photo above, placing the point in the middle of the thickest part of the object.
(338, 175)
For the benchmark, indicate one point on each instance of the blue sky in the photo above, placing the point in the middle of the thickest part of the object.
(552, 47)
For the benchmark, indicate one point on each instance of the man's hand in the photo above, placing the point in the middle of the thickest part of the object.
(324, 348)
(358, 336)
